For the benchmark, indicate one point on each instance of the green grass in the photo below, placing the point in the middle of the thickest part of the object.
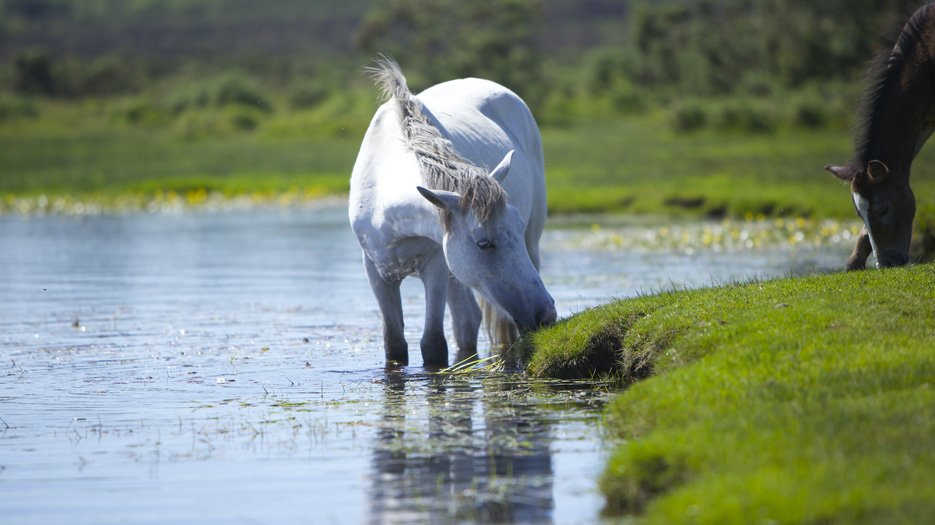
(88, 152)
(639, 165)
(792, 401)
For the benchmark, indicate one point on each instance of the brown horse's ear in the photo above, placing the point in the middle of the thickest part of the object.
(877, 171)
(842, 172)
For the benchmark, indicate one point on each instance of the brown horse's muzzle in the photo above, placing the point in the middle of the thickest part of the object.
(893, 258)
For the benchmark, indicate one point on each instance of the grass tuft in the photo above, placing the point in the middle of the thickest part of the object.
(590, 345)
(475, 365)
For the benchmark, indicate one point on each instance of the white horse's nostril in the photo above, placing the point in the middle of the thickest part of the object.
(546, 317)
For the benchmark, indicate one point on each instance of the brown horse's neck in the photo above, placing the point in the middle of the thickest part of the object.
(900, 109)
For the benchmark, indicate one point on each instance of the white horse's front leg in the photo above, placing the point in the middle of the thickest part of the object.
(434, 275)
(391, 307)
(465, 317)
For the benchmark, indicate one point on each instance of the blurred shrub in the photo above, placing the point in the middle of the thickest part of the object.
(308, 96)
(824, 105)
(142, 112)
(605, 76)
(188, 97)
(558, 110)
(748, 116)
(15, 107)
(105, 76)
(628, 100)
(36, 73)
(211, 123)
(244, 120)
(602, 70)
(200, 124)
(758, 85)
(229, 90)
(344, 113)
(193, 125)
(689, 116)
(33, 74)
(234, 89)
(810, 115)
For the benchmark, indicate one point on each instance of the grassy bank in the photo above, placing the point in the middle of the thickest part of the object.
(792, 401)
(91, 152)
(117, 151)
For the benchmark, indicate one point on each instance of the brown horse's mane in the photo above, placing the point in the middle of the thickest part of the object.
(882, 77)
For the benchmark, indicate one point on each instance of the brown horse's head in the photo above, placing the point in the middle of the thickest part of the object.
(886, 205)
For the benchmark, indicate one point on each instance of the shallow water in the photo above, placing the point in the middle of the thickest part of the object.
(227, 366)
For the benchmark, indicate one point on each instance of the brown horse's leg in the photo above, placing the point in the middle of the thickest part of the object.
(858, 259)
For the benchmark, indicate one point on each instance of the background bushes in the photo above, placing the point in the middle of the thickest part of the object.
(14, 107)
(733, 65)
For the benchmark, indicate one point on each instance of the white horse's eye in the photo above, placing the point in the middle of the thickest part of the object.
(485, 244)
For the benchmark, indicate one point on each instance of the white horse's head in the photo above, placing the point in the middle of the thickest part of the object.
(490, 256)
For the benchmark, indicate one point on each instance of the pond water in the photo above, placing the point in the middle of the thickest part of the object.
(227, 366)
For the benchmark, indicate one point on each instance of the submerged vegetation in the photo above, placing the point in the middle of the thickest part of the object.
(787, 401)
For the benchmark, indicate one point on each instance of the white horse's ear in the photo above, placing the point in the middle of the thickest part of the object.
(503, 169)
(445, 200)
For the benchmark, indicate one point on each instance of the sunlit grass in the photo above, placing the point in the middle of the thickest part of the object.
(638, 165)
(89, 153)
(789, 401)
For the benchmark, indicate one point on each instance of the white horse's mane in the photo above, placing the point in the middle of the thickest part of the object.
(443, 168)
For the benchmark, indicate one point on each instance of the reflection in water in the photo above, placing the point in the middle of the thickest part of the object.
(482, 454)
(229, 365)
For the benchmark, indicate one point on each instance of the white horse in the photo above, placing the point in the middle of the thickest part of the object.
(431, 196)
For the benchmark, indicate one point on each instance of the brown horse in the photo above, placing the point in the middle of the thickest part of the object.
(897, 118)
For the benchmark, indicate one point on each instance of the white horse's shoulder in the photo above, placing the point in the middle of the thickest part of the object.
(384, 206)
(385, 172)
(382, 133)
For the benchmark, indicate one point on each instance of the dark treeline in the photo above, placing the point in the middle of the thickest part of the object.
(712, 47)
(67, 47)
(544, 49)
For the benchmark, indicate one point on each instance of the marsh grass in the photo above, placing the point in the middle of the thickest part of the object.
(475, 365)
(724, 236)
(129, 152)
(85, 154)
(787, 401)
(637, 165)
